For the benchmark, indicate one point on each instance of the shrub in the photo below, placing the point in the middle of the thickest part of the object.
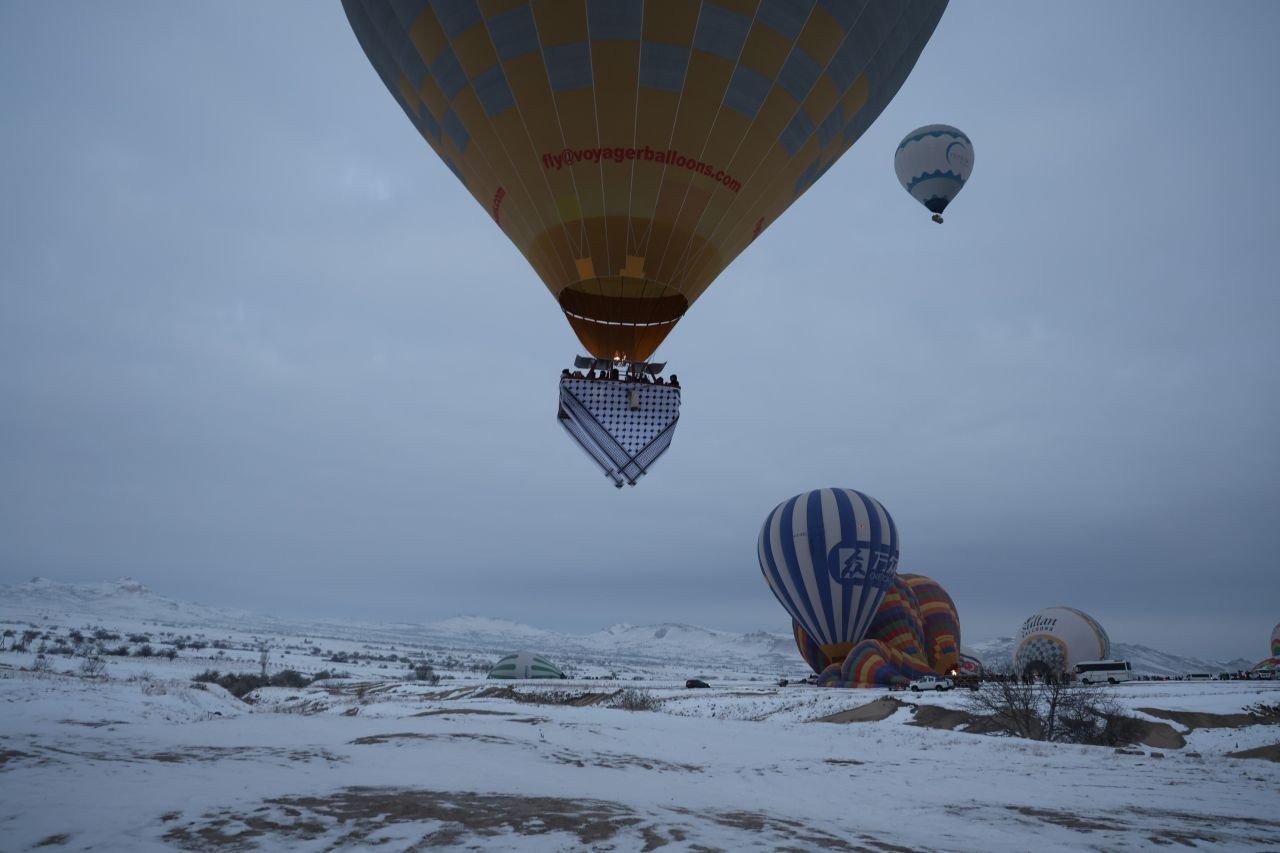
(1263, 711)
(139, 638)
(632, 699)
(143, 651)
(240, 684)
(120, 651)
(425, 672)
(289, 678)
(93, 666)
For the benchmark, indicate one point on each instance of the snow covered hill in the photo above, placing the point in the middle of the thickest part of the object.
(623, 650)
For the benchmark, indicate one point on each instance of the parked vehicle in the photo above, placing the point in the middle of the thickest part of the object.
(1104, 671)
(930, 682)
(1199, 676)
(696, 682)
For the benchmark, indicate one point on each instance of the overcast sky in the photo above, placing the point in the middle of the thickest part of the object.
(259, 348)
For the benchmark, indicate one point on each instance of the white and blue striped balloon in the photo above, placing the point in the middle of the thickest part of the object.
(829, 555)
(932, 163)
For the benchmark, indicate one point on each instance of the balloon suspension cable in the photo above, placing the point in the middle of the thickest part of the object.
(937, 217)
(619, 367)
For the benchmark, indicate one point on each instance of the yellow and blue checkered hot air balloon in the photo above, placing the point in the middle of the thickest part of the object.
(631, 149)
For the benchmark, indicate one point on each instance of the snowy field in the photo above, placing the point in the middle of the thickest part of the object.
(142, 758)
(157, 764)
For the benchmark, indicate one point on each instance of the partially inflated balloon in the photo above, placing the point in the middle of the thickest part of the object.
(631, 149)
(1054, 640)
(829, 555)
(933, 163)
(916, 632)
(1272, 663)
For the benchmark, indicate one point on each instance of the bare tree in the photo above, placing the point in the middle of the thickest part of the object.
(264, 657)
(1053, 710)
(1011, 704)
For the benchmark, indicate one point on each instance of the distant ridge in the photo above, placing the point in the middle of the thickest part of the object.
(632, 649)
(641, 647)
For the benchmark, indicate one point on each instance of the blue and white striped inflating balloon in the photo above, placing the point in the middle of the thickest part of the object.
(829, 555)
(932, 163)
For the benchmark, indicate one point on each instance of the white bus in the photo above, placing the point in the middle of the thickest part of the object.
(1104, 671)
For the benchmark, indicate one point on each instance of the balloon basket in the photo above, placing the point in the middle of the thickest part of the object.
(621, 413)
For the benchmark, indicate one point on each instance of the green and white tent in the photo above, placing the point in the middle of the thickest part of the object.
(525, 665)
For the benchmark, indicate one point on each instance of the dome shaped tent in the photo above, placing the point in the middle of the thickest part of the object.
(525, 665)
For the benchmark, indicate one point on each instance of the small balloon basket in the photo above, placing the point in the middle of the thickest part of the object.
(621, 413)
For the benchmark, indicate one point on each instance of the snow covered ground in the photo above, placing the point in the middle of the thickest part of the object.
(142, 758)
(142, 764)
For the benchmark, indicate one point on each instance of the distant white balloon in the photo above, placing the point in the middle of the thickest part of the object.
(933, 162)
(1054, 640)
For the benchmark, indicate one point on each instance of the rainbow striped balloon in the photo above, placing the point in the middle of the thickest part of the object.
(916, 632)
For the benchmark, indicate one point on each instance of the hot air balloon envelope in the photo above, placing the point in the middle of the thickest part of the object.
(1053, 641)
(1272, 663)
(916, 632)
(933, 163)
(631, 149)
(829, 556)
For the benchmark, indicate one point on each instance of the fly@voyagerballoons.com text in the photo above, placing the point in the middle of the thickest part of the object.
(621, 154)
